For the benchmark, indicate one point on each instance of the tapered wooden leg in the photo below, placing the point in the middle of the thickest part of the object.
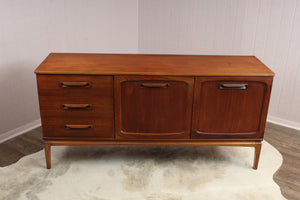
(48, 154)
(256, 154)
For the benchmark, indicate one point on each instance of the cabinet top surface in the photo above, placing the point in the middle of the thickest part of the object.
(152, 64)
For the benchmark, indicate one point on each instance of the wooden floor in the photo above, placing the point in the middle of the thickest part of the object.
(14, 149)
(286, 140)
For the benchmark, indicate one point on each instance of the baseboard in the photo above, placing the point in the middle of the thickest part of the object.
(284, 122)
(20, 130)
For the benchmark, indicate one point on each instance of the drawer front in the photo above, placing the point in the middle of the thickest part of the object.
(153, 107)
(230, 107)
(85, 103)
(75, 85)
(72, 128)
(74, 107)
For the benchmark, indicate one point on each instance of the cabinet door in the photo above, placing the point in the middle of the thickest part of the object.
(230, 107)
(153, 107)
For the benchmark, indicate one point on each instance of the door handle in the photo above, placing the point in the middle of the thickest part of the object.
(155, 85)
(75, 84)
(76, 106)
(229, 86)
(73, 126)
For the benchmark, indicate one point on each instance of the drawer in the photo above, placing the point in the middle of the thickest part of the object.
(75, 85)
(83, 102)
(230, 107)
(74, 107)
(72, 128)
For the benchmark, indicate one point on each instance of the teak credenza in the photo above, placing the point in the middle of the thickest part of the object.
(135, 99)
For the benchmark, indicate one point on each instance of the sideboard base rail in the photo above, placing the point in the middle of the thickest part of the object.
(255, 144)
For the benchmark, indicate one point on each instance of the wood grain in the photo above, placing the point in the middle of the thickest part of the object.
(152, 107)
(99, 86)
(53, 106)
(54, 97)
(257, 149)
(230, 113)
(55, 127)
(230, 100)
(47, 148)
(287, 142)
(14, 149)
(48, 144)
(143, 64)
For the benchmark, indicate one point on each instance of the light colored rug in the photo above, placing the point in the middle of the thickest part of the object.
(143, 172)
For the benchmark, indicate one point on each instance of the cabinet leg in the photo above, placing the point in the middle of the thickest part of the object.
(256, 154)
(48, 154)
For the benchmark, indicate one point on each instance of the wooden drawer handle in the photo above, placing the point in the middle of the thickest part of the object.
(73, 126)
(75, 84)
(229, 86)
(76, 106)
(155, 85)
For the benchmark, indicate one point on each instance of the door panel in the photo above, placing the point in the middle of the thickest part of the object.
(230, 107)
(153, 107)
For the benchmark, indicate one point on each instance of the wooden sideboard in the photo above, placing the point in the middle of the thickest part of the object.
(135, 99)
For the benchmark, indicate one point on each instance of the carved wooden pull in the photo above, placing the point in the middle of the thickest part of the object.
(229, 86)
(73, 126)
(76, 106)
(75, 84)
(155, 85)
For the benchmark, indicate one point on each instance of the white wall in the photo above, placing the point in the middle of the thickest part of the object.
(268, 29)
(31, 29)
